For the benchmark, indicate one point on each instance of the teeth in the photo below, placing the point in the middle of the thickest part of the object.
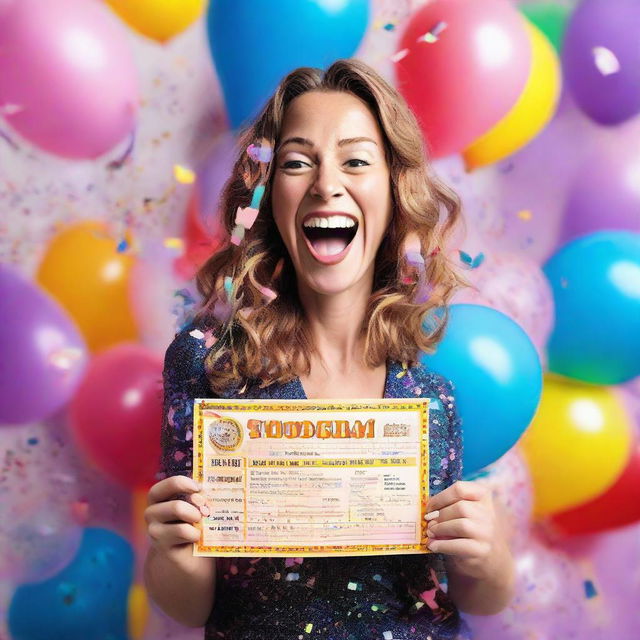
(332, 222)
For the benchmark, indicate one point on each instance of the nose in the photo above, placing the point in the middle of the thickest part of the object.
(326, 183)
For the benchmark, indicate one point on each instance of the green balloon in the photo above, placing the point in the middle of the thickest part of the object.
(550, 18)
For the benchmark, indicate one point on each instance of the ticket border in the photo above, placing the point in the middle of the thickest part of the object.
(386, 404)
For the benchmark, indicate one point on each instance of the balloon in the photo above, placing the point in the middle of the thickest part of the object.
(83, 269)
(529, 115)
(616, 507)
(514, 285)
(482, 57)
(67, 69)
(199, 245)
(38, 533)
(212, 176)
(550, 18)
(601, 59)
(87, 599)
(116, 413)
(577, 445)
(497, 375)
(158, 20)
(596, 288)
(254, 43)
(43, 354)
(605, 193)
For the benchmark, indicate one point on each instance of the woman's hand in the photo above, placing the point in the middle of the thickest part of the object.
(175, 509)
(463, 523)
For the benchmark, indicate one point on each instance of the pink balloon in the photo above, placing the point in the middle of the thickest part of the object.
(467, 79)
(67, 77)
(515, 285)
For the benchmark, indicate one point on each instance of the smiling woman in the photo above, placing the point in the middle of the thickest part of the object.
(348, 187)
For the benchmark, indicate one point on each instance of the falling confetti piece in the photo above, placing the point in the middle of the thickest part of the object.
(196, 333)
(268, 293)
(246, 216)
(472, 263)
(432, 35)
(352, 586)
(308, 628)
(525, 214)
(590, 589)
(387, 635)
(605, 60)
(258, 192)
(11, 109)
(237, 234)
(389, 26)
(396, 57)
(260, 152)
(174, 243)
(118, 163)
(122, 246)
(183, 175)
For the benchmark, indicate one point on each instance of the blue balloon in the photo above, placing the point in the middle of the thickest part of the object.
(87, 600)
(596, 289)
(497, 376)
(255, 43)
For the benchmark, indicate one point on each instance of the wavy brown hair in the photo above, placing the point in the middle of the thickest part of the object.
(270, 342)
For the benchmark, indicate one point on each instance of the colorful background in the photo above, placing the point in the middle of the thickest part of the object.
(117, 124)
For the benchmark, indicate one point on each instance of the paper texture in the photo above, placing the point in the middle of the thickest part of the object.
(312, 477)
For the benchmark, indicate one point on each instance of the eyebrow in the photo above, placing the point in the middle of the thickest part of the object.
(341, 143)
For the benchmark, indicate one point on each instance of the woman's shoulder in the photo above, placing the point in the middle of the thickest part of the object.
(438, 385)
(190, 346)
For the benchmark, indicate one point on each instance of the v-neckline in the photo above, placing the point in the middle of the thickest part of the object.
(390, 366)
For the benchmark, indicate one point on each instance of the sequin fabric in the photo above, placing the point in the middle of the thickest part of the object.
(390, 597)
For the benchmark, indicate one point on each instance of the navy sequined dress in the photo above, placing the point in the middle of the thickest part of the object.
(389, 597)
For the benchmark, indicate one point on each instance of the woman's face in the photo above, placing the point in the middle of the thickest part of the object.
(331, 192)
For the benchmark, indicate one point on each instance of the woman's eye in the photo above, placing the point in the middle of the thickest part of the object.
(365, 163)
(287, 165)
(298, 164)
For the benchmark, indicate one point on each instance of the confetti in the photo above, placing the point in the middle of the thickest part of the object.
(260, 152)
(387, 635)
(258, 192)
(122, 246)
(590, 589)
(471, 262)
(525, 214)
(174, 243)
(246, 216)
(196, 333)
(432, 35)
(308, 628)
(396, 57)
(183, 175)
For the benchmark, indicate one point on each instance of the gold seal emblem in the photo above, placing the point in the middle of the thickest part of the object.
(225, 434)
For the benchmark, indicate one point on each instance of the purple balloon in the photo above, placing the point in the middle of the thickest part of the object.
(605, 194)
(212, 175)
(43, 354)
(601, 59)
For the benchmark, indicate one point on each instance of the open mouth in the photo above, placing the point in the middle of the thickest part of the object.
(330, 242)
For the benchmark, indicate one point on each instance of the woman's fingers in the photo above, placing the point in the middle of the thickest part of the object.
(171, 488)
(172, 511)
(170, 535)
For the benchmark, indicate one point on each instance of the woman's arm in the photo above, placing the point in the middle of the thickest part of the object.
(182, 585)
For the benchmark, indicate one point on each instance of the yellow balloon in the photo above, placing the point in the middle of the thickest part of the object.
(534, 108)
(158, 19)
(577, 445)
(138, 611)
(83, 270)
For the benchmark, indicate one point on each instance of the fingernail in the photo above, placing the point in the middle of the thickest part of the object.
(204, 510)
(432, 515)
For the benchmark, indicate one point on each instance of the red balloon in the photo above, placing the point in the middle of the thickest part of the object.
(116, 414)
(466, 64)
(617, 507)
(199, 245)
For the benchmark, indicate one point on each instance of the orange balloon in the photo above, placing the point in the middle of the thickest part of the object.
(83, 270)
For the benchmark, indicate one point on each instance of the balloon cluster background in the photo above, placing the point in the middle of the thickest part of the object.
(117, 126)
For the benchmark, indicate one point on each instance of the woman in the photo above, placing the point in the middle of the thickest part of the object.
(329, 293)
